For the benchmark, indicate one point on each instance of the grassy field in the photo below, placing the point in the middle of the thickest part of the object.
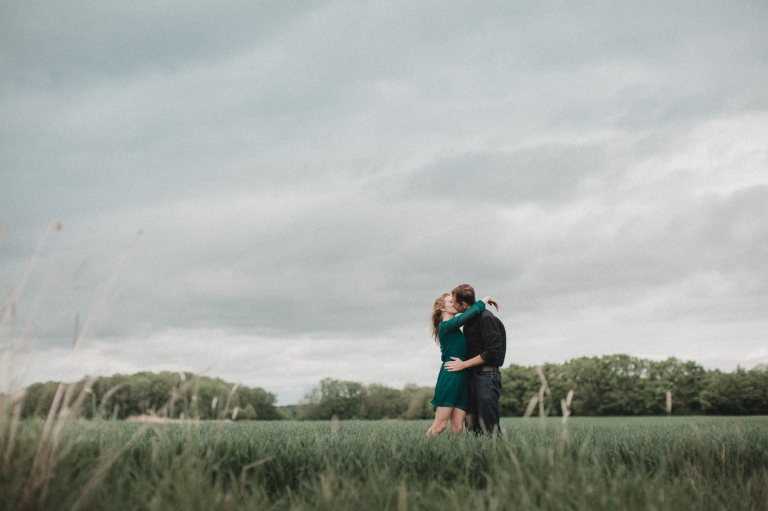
(601, 463)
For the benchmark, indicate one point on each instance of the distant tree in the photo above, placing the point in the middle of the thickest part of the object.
(174, 394)
(617, 385)
(261, 402)
(586, 376)
(685, 381)
(609, 385)
(738, 393)
(381, 402)
(519, 384)
(291, 411)
(343, 399)
(623, 385)
(247, 413)
(38, 399)
(352, 400)
(419, 405)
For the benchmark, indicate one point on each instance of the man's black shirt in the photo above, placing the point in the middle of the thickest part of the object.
(486, 337)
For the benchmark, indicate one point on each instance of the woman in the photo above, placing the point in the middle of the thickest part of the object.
(450, 401)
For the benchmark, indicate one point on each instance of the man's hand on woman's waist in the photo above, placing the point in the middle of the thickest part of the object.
(457, 364)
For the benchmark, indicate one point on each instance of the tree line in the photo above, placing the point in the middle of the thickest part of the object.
(175, 395)
(602, 386)
(618, 385)
(625, 385)
(353, 400)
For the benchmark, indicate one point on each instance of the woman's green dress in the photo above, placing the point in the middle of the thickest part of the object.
(451, 387)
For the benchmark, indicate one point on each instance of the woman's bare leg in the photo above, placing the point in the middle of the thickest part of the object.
(457, 420)
(442, 416)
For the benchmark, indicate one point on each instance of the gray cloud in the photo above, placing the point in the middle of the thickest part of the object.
(320, 172)
(55, 44)
(527, 174)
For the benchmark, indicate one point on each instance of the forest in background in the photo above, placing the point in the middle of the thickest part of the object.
(167, 394)
(612, 385)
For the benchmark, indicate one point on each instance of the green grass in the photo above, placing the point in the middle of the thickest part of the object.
(601, 463)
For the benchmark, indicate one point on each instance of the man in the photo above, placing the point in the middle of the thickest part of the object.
(486, 349)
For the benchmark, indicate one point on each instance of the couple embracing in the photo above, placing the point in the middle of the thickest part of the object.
(469, 382)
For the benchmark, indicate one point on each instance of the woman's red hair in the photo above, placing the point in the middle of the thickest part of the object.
(437, 315)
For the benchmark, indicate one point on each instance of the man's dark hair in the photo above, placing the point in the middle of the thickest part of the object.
(464, 294)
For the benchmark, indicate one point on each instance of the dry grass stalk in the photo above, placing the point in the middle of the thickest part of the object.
(17, 400)
(29, 270)
(231, 394)
(542, 377)
(49, 447)
(67, 401)
(402, 497)
(543, 390)
(104, 400)
(9, 309)
(531, 406)
(516, 463)
(565, 405)
(254, 465)
(334, 425)
(176, 394)
(325, 487)
(48, 427)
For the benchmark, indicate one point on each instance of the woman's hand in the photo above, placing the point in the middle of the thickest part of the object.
(490, 301)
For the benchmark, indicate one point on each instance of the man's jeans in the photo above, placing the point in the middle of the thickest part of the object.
(483, 407)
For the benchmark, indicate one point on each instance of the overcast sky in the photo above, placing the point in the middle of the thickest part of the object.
(308, 176)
